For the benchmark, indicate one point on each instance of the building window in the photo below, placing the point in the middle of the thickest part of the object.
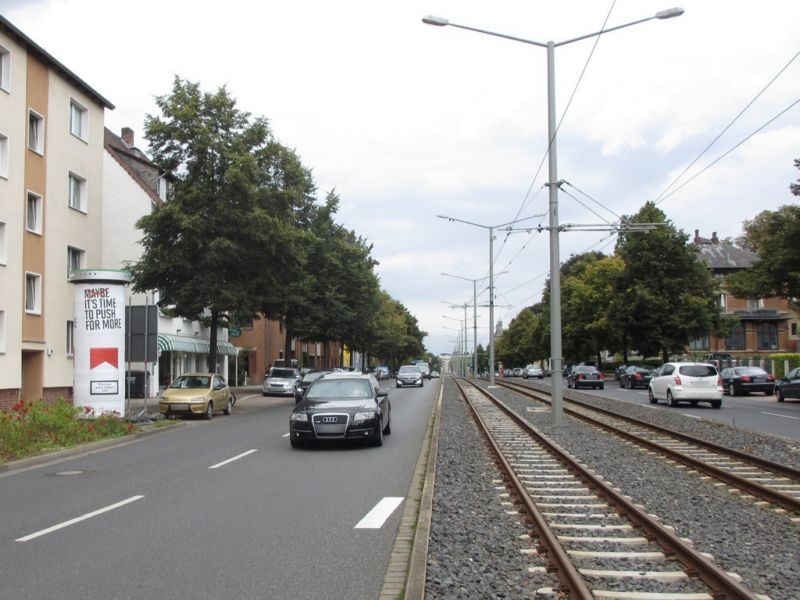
(78, 120)
(77, 192)
(736, 340)
(33, 293)
(2, 332)
(794, 324)
(754, 304)
(36, 132)
(5, 69)
(723, 302)
(767, 336)
(76, 259)
(162, 188)
(3, 156)
(70, 338)
(33, 222)
(700, 343)
(3, 244)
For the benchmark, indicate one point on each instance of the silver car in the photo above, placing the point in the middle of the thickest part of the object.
(281, 381)
(409, 375)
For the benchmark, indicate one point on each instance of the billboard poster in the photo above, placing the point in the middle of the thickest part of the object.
(99, 373)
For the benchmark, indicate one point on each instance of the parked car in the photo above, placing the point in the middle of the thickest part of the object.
(434, 374)
(585, 376)
(197, 394)
(743, 380)
(409, 375)
(691, 382)
(516, 372)
(619, 371)
(533, 371)
(306, 381)
(788, 386)
(338, 408)
(424, 368)
(633, 377)
(281, 381)
(381, 372)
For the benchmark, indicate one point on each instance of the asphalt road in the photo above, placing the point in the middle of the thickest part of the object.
(754, 412)
(180, 521)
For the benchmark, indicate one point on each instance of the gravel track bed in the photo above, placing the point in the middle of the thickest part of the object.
(474, 550)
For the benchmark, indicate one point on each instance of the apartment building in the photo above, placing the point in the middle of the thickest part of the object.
(51, 212)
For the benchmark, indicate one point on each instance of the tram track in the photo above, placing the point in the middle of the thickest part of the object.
(766, 481)
(594, 538)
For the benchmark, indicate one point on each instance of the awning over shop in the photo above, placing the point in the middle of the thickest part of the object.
(170, 342)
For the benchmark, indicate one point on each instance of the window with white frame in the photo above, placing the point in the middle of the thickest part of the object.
(70, 338)
(5, 69)
(33, 293)
(77, 192)
(3, 244)
(76, 259)
(78, 120)
(35, 132)
(4, 156)
(2, 331)
(162, 188)
(754, 304)
(33, 222)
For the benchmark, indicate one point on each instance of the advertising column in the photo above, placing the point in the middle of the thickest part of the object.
(99, 374)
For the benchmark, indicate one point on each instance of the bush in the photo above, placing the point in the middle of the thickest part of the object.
(34, 427)
(792, 358)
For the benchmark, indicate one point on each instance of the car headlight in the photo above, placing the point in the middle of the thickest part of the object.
(364, 416)
(297, 416)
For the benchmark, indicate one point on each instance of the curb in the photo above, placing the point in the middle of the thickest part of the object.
(405, 575)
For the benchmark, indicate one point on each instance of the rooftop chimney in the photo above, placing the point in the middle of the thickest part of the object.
(127, 136)
(696, 236)
(714, 238)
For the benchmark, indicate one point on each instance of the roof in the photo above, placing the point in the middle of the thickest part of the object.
(40, 52)
(120, 152)
(722, 255)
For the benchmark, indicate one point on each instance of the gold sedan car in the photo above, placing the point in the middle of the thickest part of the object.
(197, 394)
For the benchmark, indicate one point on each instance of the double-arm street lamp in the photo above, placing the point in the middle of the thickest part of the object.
(553, 185)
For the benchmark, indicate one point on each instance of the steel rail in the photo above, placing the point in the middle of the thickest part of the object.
(722, 585)
(752, 487)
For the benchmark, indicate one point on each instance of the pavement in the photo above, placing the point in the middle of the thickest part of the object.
(247, 397)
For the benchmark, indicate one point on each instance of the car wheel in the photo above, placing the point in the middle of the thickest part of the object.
(716, 403)
(780, 396)
(388, 429)
(630, 384)
(671, 399)
(770, 392)
(602, 386)
(651, 397)
(263, 393)
(731, 390)
(209, 410)
(397, 385)
(296, 443)
(229, 407)
(377, 437)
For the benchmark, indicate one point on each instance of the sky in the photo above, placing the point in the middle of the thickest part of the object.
(407, 121)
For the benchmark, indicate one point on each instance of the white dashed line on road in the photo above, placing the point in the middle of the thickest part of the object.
(375, 518)
(777, 415)
(230, 460)
(95, 513)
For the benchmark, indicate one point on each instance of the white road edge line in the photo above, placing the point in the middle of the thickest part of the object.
(778, 415)
(375, 518)
(230, 460)
(692, 416)
(285, 435)
(32, 536)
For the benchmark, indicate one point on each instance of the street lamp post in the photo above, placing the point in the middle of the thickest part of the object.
(462, 345)
(553, 184)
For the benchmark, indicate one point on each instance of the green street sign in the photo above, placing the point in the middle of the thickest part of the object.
(235, 331)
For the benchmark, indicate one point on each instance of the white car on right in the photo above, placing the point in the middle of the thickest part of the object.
(691, 382)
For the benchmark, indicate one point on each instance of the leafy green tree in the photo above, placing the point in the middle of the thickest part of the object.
(667, 296)
(204, 248)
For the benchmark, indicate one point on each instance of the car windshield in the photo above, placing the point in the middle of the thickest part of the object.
(282, 373)
(586, 369)
(751, 371)
(409, 370)
(340, 388)
(698, 370)
(185, 382)
(313, 376)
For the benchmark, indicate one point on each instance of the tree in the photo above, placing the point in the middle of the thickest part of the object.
(215, 237)
(666, 296)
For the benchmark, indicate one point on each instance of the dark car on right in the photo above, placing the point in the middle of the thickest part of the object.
(788, 386)
(585, 376)
(635, 377)
(737, 381)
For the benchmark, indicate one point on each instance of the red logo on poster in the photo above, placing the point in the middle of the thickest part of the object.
(98, 356)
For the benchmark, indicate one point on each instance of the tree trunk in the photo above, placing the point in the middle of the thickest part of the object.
(212, 342)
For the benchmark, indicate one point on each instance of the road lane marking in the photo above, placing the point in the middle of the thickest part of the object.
(285, 435)
(779, 415)
(693, 416)
(375, 518)
(230, 460)
(32, 536)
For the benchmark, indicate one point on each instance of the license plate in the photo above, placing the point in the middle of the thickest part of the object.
(179, 407)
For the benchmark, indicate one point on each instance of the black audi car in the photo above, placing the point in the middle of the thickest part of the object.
(341, 406)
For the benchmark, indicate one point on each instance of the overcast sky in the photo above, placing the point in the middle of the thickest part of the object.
(408, 121)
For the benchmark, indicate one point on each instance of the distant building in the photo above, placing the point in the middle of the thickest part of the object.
(765, 325)
(51, 185)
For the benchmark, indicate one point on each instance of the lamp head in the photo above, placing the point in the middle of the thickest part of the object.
(438, 21)
(669, 13)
